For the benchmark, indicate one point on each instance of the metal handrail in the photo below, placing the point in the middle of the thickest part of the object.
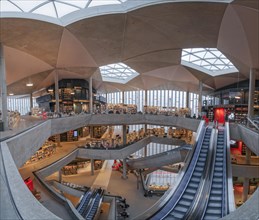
(225, 186)
(196, 211)
(231, 198)
(251, 121)
(181, 188)
(169, 193)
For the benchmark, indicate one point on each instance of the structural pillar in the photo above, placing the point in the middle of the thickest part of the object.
(200, 97)
(92, 167)
(57, 92)
(248, 156)
(145, 148)
(59, 176)
(58, 140)
(124, 134)
(91, 95)
(246, 184)
(3, 89)
(145, 104)
(31, 102)
(91, 131)
(145, 101)
(124, 174)
(187, 99)
(123, 97)
(251, 93)
(245, 189)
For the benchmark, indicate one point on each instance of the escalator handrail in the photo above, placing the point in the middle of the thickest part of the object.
(169, 193)
(231, 199)
(198, 208)
(225, 187)
(98, 196)
(169, 206)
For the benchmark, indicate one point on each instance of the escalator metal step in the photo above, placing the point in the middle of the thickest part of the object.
(176, 215)
(213, 211)
(216, 174)
(200, 164)
(215, 198)
(196, 180)
(202, 159)
(217, 180)
(218, 168)
(188, 197)
(216, 192)
(180, 208)
(216, 185)
(197, 174)
(219, 159)
(190, 191)
(193, 185)
(184, 202)
(211, 217)
(219, 154)
(214, 204)
(199, 169)
(203, 154)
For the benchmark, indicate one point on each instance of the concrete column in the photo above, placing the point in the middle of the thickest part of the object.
(124, 134)
(92, 167)
(3, 88)
(91, 95)
(31, 102)
(200, 97)
(59, 176)
(248, 156)
(124, 174)
(145, 148)
(123, 97)
(251, 93)
(187, 99)
(245, 189)
(57, 92)
(145, 99)
(145, 151)
(91, 131)
(58, 140)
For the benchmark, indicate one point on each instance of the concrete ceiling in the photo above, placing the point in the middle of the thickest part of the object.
(149, 40)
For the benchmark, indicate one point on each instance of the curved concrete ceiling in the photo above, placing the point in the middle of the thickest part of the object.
(148, 39)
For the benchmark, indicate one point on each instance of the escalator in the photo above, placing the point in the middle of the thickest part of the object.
(184, 197)
(216, 206)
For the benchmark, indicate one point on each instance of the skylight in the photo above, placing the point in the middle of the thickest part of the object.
(52, 8)
(208, 60)
(117, 72)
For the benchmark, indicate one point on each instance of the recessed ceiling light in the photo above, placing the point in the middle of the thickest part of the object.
(29, 84)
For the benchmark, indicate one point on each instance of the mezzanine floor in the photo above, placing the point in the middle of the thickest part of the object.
(115, 184)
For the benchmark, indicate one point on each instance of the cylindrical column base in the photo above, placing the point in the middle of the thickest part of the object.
(124, 174)
(92, 167)
(59, 176)
(245, 189)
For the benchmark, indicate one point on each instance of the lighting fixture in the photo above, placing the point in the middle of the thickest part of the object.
(11, 94)
(72, 93)
(237, 97)
(29, 84)
(50, 90)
